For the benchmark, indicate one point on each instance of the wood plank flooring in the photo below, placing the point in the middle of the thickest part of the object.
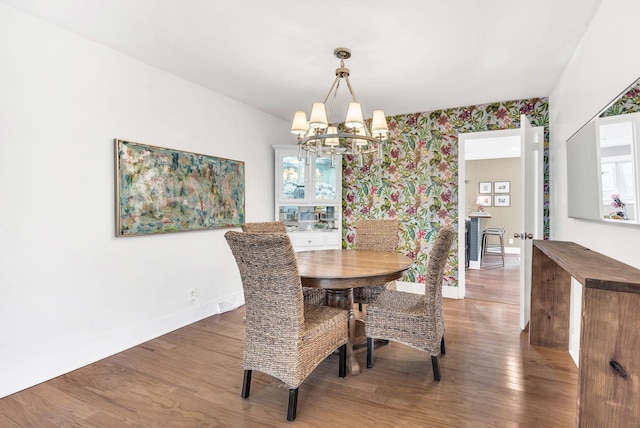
(491, 377)
(493, 282)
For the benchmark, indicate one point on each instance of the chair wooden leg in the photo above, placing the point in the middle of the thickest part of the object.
(246, 383)
(369, 352)
(293, 404)
(442, 350)
(342, 369)
(436, 367)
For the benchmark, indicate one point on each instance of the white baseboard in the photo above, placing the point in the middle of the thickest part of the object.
(450, 292)
(418, 288)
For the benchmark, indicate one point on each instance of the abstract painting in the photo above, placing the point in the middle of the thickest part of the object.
(164, 190)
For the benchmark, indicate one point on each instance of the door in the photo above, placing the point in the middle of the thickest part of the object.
(531, 216)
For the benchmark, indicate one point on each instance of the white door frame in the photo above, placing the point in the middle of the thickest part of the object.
(462, 142)
(532, 218)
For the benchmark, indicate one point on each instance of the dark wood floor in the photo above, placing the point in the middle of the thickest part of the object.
(493, 282)
(491, 377)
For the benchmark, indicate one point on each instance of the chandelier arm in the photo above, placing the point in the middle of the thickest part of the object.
(333, 100)
(331, 89)
(353, 94)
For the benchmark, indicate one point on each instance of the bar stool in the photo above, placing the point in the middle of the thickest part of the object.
(493, 248)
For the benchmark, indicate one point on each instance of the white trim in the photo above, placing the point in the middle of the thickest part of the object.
(462, 143)
(418, 288)
(450, 292)
(410, 287)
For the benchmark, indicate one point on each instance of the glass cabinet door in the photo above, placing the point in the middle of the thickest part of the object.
(293, 183)
(325, 179)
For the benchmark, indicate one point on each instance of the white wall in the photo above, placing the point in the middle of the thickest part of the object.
(604, 64)
(70, 292)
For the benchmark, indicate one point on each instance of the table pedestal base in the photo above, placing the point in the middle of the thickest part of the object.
(343, 299)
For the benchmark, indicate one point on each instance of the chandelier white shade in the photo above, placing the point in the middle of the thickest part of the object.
(354, 116)
(316, 136)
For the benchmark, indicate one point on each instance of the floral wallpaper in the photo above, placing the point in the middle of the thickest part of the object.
(417, 181)
(626, 104)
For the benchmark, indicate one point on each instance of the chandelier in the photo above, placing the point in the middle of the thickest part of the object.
(316, 136)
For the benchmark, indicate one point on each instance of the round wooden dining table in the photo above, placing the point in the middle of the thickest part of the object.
(340, 271)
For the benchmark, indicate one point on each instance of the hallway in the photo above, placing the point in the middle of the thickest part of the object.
(493, 283)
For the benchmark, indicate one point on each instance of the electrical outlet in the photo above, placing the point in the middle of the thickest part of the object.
(193, 294)
(510, 241)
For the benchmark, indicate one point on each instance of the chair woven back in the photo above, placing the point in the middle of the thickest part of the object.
(438, 257)
(311, 295)
(377, 235)
(271, 283)
(264, 227)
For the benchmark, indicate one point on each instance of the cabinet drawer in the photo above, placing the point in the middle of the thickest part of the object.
(302, 241)
(307, 240)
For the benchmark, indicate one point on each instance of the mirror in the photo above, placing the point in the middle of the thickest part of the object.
(603, 158)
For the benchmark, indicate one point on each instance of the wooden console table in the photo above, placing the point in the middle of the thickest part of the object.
(609, 372)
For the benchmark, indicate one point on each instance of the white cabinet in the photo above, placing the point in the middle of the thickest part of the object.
(309, 198)
(313, 240)
(299, 182)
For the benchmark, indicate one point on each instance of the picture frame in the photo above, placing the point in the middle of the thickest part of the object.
(484, 200)
(485, 187)
(160, 190)
(501, 187)
(501, 200)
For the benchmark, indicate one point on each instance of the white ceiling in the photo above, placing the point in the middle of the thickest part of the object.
(277, 55)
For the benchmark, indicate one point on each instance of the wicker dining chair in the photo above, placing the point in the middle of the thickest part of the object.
(316, 296)
(285, 337)
(375, 235)
(264, 227)
(414, 319)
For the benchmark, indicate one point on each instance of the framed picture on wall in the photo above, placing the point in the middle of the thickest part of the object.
(159, 190)
(485, 187)
(501, 187)
(484, 201)
(502, 200)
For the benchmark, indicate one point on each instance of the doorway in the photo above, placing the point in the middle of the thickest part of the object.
(490, 170)
(495, 283)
